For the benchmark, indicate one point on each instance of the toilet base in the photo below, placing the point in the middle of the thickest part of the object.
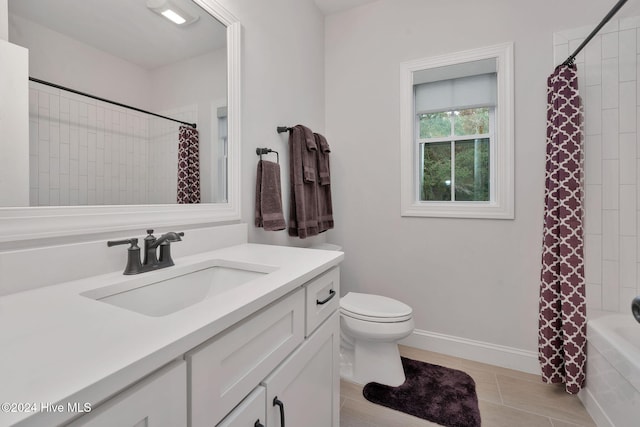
(369, 361)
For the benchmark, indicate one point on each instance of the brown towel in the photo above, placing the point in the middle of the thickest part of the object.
(325, 208)
(303, 212)
(308, 155)
(323, 159)
(269, 197)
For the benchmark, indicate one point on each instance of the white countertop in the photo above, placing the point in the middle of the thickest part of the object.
(61, 347)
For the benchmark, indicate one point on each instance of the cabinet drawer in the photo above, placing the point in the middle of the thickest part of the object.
(157, 401)
(252, 410)
(322, 298)
(225, 369)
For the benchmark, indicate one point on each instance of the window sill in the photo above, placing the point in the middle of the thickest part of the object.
(476, 210)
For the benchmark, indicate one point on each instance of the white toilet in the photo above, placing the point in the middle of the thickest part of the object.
(370, 328)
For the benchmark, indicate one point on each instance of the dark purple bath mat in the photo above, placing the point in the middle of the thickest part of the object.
(435, 393)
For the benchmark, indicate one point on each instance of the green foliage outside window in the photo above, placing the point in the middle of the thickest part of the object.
(470, 156)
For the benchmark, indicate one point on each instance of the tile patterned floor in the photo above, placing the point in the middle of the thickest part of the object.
(507, 398)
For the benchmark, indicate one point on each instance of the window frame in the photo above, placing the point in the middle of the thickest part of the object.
(501, 205)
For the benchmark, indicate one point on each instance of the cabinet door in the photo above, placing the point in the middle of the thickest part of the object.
(250, 413)
(157, 401)
(225, 369)
(307, 384)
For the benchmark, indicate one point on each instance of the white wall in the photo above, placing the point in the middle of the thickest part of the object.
(72, 63)
(14, 126)
(608, 76)
(471, 279)
(4, 20)
(172, 91)
(283, 85)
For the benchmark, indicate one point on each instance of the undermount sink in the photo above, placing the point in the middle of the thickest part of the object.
(166, 296)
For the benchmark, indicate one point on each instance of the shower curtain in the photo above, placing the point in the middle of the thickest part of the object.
(188, 165)
(562, 314)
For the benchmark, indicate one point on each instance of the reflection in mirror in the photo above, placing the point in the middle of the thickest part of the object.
(84, 151)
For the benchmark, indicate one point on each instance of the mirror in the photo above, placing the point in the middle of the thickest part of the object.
(84, 151)
(23, 224)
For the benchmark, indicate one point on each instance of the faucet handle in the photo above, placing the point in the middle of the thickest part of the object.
(133, 255)
(133, 242)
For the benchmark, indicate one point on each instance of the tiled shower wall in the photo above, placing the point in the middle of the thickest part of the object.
(609, 73)
(87, 152)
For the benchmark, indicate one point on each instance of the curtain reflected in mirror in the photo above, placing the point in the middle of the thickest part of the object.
(84, 151)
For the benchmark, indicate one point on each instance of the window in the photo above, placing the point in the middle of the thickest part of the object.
(457, 135)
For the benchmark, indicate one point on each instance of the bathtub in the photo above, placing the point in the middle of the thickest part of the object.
(612, 393)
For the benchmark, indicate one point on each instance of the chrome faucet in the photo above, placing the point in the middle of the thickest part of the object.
(151, 259)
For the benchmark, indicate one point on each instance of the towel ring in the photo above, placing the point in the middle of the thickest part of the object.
(261, 151)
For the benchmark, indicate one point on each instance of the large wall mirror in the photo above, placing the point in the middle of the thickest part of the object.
(96, 165)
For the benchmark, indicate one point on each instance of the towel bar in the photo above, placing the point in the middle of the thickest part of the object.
(261, 151)
(283, 129)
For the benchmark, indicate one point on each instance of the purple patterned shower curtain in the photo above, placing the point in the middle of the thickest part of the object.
(562, 315)
(188, 165)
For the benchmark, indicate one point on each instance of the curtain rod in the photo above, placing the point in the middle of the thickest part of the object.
(193, 125)
(613, 11)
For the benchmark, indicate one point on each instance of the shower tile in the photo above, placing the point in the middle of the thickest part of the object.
(628, 161)
(593, 62)
(64, 189)
(43, 156)
(593, 110)
(628, 264)
(610, 45)
(82, 160)
(626, 296)
(610, 285)
(610, 235)
(593, 159)
(54, 173)
(610, 184)
(627, 54)
(593, 259)
(64, 158)
(594, 296)
(610, 83)
(610, 134)
(628, 106)
(628, 211)
(43, 189)
(54, 197)
(593, 209)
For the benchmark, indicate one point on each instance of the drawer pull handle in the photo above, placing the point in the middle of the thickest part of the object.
(258, 424)
(332, 294)
(279, 403)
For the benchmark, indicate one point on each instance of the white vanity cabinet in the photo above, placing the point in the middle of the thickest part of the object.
(250, 413)
(302, 390)
(269, 348)
(159, 400)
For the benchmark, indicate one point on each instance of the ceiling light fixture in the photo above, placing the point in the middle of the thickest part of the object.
(169, 10)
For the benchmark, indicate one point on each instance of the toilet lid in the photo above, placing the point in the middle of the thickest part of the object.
(374, 308)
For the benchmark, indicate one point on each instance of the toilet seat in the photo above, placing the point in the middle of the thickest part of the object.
(374, 308)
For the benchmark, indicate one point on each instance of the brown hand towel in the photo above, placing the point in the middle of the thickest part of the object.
(323, 159)
(269, 197)
(325, 208)
(303, 212)
(308, 154)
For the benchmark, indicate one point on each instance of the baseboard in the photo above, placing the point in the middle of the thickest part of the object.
(594, 409)
(479, 351)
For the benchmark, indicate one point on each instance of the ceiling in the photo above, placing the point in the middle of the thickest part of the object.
(127, 28)
(332, 6)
